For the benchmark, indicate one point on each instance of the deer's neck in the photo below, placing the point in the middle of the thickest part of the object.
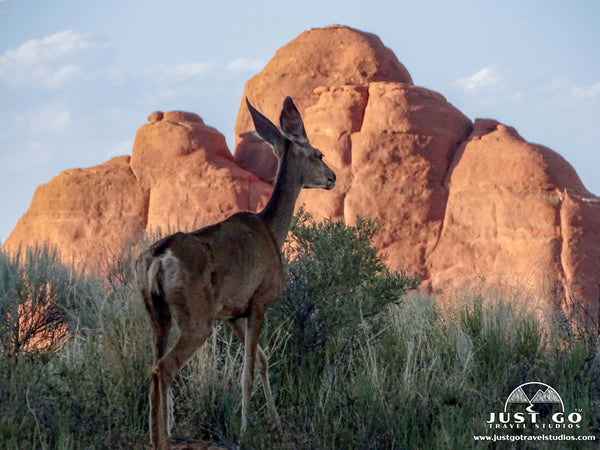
(279, 211)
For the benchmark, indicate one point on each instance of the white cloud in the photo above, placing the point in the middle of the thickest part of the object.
(184, 71)
(46, 62)
(245, 64)
(164, 81)
(483, 78)
(62, 75)
(586, 92)
(564, 92)
(45, 120)
(163, 74)
(121, 75)
(554, 85)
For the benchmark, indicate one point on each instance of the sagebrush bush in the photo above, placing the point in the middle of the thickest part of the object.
(335, 282)
(39, 299)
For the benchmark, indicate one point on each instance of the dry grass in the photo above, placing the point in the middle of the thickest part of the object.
(353, 365)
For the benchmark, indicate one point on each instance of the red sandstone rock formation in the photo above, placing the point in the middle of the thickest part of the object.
(330, 56)
(86, 213)
(180, 175)
(404, 155)
(189, 174)
(518, 216)
(389, 142)
(390, 145)
(459, 203)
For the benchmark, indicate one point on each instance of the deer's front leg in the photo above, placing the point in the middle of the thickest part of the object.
(238, 326)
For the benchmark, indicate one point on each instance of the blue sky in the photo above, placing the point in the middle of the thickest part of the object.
(78, 78)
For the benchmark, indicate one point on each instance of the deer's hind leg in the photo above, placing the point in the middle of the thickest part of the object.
(160, 322)
(159, 391)
(193, 332)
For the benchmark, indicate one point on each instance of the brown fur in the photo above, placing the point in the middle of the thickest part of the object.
(229, 271)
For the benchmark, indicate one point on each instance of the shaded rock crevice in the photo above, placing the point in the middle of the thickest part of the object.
(562, 254)
(454, 157)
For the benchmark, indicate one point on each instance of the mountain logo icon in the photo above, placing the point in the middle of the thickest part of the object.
(538, 393)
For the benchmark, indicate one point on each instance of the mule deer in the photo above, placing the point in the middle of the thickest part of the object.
(230, 271)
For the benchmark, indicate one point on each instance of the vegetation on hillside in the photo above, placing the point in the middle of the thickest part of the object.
(355, 362)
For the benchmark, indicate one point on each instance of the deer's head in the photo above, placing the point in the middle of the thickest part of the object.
(291, 146)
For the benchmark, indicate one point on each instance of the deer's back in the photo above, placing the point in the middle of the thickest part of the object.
(229, 264)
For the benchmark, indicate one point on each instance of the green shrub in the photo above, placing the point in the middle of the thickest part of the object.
(335, 281)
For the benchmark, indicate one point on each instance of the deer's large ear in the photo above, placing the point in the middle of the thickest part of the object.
(266, 130)
(291, 122)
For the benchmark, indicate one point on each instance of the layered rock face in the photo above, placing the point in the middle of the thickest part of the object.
(391, 153)
(518, 216)
(389, 142)
(89, 214)
(330, 56)
(180, 176)
(459, 202)
(188, 174)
